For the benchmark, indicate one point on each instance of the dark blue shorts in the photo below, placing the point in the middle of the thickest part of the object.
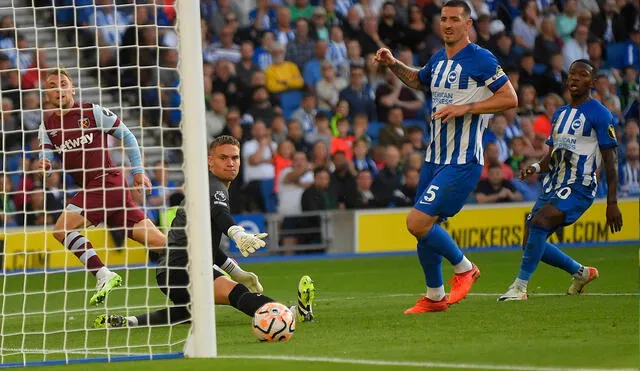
(444, 189)
(573, 200)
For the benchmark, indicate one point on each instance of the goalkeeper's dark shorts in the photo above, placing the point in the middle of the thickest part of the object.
(173, 282)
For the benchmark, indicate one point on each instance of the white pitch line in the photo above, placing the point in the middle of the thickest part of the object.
(473, 294)
(373, 362)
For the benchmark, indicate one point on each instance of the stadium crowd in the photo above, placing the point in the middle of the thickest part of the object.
(321, 126)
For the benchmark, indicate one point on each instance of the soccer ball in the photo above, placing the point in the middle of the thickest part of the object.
(274, 322)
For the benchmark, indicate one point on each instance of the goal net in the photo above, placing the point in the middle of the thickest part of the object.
(124, 58)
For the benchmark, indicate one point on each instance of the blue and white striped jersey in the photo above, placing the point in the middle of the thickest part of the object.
(472, 75)
(578, 134)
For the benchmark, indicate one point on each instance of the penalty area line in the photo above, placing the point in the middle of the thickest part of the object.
(373, 362)
(480, 294)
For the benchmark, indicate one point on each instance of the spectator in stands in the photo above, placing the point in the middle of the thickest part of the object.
(416, 29)
(517, 148)
(282, 75)
(312, 72)
(343, 183)
(11, 130)
(354, 58)
(610, 24)
(300, 50)
(36, 213)
(293, 181)
(504, 51)
(410, 185)
(329, 87)
(7, 207)
(246, 66)
(482, 31)
(319, 23)
(496, 188)
(513, 128)
(548, 42)
(530, 187)
(631, 131)
(630, 169)
(554, 79)
(629, 88)
(393, 133)
(527, 64)
(595, 51)
(337, 53)
(257, 162)
(361, 159)
(215, 118)
(415, 135)
(394, 93)
(575, 47)
(225, 9)
(278, 128)
(388, 182)
(344, 141)
(604, 90)
(352, 24)
(321, 130)
(319, 156)
(528, 101)
(365, 198)
(491, 158)
(262, 54)
(262, 17)
(361, 127)
(225, 81)
(497, 134)
(567, 21)
(333, 14)
(161, 189)
(434, 39)
(415, 161)
(301, 9)
(282, 31)
(543, 121)
(358, 94)
(225, 49)
(31, 113)
(318, 196)
(282, 159)
(390, 30)
(261, 108)
(232, 124)
(11, 88)
(526, 26)
(295, 134)
(306, 113)
(368, 36)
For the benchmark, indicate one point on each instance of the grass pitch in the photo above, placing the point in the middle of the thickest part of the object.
(359, 323)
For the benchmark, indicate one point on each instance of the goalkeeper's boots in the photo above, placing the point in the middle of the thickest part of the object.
(306, 295)
(110, 321)
(580, 280)
(461, 284)
(515, 292)
(424, 305)
(107, 281)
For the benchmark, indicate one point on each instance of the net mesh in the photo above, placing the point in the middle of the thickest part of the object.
(124, 58)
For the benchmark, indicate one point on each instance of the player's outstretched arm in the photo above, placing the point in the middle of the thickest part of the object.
(45, 154)
(539, 167)
(614, 217)
(503, 99)
(408, 75)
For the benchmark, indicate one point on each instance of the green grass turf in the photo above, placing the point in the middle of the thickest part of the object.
(359, 316)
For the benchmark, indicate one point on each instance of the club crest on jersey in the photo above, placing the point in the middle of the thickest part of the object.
(75, 143)
(576, 124)
(219, 196)
(452, 77)
(83, 123)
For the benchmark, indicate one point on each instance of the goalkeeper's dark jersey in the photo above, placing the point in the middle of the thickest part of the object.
(220, 218)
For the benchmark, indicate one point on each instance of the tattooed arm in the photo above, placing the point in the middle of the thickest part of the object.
(408, 75)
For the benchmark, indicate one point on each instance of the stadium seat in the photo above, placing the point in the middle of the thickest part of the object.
(290, 101)
(615, 55)
(539, 69)
(373, 130)
(408, 123)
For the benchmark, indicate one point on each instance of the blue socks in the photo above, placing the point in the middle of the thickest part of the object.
(556, 258)
(533, 251)
(431, 264)
(431, 248)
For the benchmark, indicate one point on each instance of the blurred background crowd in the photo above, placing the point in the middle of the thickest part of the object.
(321, 126)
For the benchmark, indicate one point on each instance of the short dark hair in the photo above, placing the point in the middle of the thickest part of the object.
(319, 170)
(321, 116)
(222, 140)
(459, 4)
(588, 63)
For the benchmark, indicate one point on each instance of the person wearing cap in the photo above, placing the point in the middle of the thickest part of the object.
(319, 24)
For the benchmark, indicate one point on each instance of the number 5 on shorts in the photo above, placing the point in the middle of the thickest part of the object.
(431, 194)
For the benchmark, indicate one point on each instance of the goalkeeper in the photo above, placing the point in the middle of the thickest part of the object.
(243, 290)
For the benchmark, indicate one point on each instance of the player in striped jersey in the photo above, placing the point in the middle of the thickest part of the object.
(583, 135)
(466, 84)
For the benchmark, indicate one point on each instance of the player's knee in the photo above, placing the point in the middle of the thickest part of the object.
(417, 225)
(540, 221)
(157, 240)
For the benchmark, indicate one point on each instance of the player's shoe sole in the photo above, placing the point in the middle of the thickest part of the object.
(109, 321)
(514, 293)
(461, 284)
(114, 280)
(425, 305)
(306, 295)
(577, 286)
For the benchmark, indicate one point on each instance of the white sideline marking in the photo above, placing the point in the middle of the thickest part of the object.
(373, 362)
(475, 294)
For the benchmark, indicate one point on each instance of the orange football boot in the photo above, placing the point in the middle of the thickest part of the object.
(461, 284)
(424, 304)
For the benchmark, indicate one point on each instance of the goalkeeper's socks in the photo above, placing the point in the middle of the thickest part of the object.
(245, 301)
(82, 248)
(176, 314)
(556, 258)
(533, 251)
